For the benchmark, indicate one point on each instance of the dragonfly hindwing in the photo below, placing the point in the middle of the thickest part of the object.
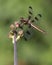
(38, 17)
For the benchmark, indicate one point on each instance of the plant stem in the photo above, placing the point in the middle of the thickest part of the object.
(15, 51)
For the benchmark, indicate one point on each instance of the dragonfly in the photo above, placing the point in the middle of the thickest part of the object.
(29, 22)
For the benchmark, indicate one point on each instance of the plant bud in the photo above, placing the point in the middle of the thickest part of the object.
(12, 27)
(16, 24)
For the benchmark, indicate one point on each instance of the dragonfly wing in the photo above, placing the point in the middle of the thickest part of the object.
(36, 18)
(30, 11)
(28, 33)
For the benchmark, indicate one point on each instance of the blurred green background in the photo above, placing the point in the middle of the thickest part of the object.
(38, 50)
